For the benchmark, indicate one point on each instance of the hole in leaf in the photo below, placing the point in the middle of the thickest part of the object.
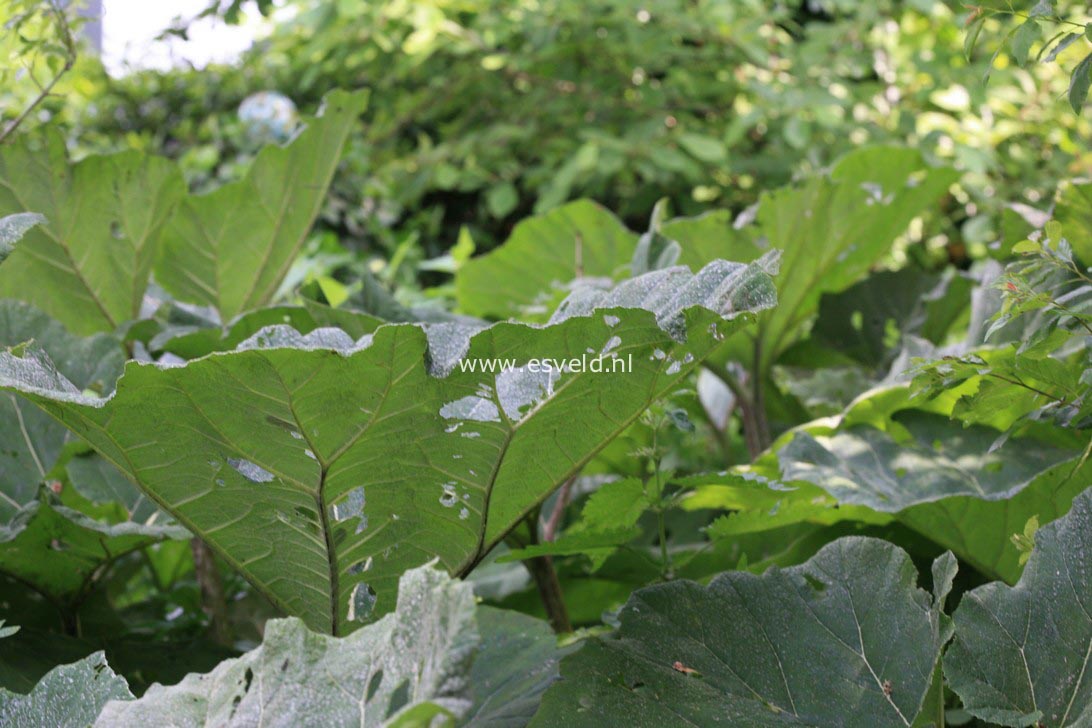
(399, 698)
(361, 602)
(373, 685)
(252, 472)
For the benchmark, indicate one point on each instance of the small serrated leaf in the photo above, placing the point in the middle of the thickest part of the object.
(1066, 41)
(1022, 40)
(970, 38)
(1079, 83)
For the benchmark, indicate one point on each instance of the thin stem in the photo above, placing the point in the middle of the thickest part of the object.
(549, 529)
(548, 585)
(658, 497)
(69, 61)
(758, 398)
(1083, 460)
(1024, 16)
(746, 408)
(1020, 383)
(212, 590)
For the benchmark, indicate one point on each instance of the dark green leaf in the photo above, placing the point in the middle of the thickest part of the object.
(1022, 655)
(845, 639)
(1079, 83)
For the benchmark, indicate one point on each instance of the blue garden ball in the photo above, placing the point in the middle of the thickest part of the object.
(269, 116)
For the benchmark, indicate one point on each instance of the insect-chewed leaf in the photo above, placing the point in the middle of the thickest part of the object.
(420, 655)
(324, 468)
(69, 696)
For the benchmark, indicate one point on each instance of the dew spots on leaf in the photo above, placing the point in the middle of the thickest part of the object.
(611, 321)
(252, 472)
(464, 513)
(361, 602)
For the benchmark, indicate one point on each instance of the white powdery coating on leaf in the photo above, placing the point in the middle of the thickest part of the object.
(422, 650)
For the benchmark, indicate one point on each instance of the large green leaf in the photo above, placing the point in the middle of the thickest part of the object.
(942, 479)
(844, 639)
(530, 273)
(69, 696)
(231, 248)
(419, 654)
(871, 319)
(832, 230)
(32, 440)
(322, 469)
(1022, 655)
(88, 265)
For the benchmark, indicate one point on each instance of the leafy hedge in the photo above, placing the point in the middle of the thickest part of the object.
(483, 112)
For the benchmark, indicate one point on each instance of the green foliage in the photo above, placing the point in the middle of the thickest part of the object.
(483, 113)
(231, 248)
(89, 263)
(277, 418)
(846, 636)
(416, 656)
(1028, 31)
